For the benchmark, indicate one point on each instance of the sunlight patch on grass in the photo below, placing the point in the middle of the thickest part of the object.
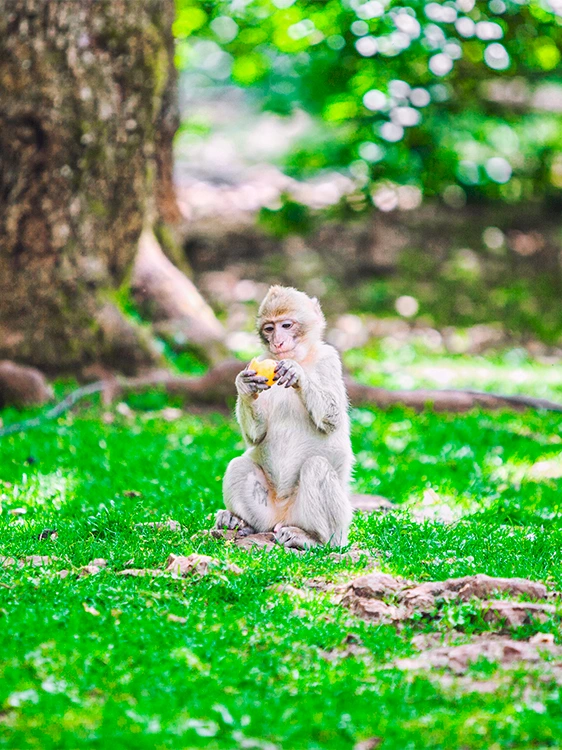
(443, 507)
(400, 366)
(35, 490)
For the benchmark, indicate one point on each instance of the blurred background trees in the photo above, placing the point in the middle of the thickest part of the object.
(375, 151)
(458, 100)
(399, 160)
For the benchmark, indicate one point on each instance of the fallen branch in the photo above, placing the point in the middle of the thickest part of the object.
(216, 389)
(443, 400)
(56, 411)
(173, 303)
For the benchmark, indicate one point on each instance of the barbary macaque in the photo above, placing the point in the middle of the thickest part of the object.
(294, 477)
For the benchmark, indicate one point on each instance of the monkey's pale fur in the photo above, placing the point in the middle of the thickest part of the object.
(294, 476)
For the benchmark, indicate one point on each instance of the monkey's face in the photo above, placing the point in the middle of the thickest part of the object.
(281, 336)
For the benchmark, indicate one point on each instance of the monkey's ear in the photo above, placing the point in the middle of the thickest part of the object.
(316, 306)
(319, 315)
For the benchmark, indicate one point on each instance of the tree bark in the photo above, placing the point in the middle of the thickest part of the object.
(171, 300)
(87, 115)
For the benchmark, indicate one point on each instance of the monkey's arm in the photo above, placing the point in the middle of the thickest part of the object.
(322, 392)
(324, 402)
(250, 418)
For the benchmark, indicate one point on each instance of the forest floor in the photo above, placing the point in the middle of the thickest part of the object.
(265, 655)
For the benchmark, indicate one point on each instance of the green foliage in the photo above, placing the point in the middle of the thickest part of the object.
(466, 289)
(290, 218)
(455, 99)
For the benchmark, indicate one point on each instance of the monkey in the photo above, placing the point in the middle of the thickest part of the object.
(294, 477)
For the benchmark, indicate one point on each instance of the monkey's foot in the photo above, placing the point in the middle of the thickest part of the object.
(294, 538)
(227, 520)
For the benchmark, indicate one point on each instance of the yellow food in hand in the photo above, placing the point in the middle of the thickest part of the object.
(265, 368)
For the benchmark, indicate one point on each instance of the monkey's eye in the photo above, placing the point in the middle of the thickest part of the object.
(268, 329)
(287, 325)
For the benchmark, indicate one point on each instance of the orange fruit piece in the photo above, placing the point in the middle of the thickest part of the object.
(265, 368)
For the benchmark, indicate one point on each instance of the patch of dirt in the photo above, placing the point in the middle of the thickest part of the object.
(180, 566)
(350, 651)
(351, 646)
(34, 561)
(169, 525)
(458, 659)
(22, 386)
(467, 684)
(377, 585)
(353, 555)
(539, 638)
(319, 583)
(515, 614)
(91, 569)
(265, 541)
(141, 572)
(547, 469)
(374, 609)
(171, 414)
(228, 534)
(479, 586)
(287, 588)
(366, 596)
(88, 570)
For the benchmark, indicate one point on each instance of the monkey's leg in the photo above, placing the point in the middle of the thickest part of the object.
(246, 495)
(321, 511)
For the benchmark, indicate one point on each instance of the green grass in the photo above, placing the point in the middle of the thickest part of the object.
(395, 364)
(248, 668)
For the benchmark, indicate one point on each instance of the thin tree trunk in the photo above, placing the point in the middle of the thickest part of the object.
(87, 115)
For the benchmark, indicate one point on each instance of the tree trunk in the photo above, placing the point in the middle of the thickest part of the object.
(181, 316)
(87, 115)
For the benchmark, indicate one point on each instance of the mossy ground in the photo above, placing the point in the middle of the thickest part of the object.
(248, 667)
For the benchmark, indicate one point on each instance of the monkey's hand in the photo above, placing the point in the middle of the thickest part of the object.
(249, 383)
(288, 373)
